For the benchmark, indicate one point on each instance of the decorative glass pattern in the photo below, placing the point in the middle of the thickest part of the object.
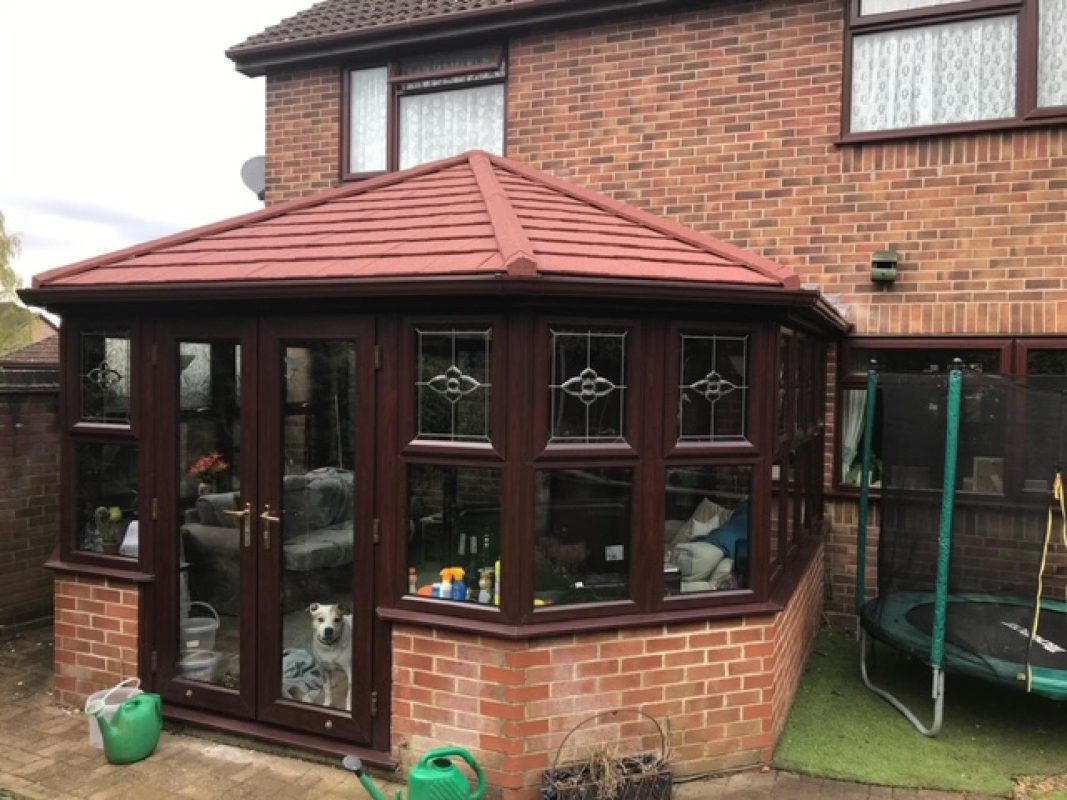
(588, 387)
(1052, 54)
(369, 104)
(713, 393)
(105, 377)
(453, 385)
(956, 72)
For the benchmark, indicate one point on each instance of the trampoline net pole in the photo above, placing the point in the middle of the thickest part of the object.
(865, 489)
(948, 503)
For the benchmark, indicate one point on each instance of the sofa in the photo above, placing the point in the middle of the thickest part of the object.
(710, 548)
(317, 543)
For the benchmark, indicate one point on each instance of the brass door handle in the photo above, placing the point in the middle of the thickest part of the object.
(246, 534)
(268, 519)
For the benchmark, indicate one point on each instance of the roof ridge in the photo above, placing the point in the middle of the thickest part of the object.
(703, 241)
(252, 217)
(515, 246)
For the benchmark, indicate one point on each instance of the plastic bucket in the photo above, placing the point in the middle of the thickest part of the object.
(111, 699)
(199, 665)
(198, 633)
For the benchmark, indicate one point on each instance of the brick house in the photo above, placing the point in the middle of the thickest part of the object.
(822, 136)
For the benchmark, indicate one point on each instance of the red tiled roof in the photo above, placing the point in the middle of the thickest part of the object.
(335, 17)
(45, 352)
(471, 215)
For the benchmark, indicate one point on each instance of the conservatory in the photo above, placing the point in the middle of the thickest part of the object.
(456, 455)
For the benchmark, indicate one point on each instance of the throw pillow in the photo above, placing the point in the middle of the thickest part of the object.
(696, 560)
(706, 517)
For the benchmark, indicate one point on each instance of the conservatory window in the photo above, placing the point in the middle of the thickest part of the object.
(588, 388)
(105, 377)
(453, 385)
(713, 393)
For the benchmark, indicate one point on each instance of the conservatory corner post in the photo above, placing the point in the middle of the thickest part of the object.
(865, 489)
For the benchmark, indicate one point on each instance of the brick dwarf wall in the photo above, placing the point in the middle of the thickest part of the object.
(29, 501)
(96, 633)
(724, 688)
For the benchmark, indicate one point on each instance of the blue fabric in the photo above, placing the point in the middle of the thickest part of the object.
(731, 537)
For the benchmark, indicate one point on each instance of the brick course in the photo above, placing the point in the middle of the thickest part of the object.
(96, 635)
(724, 688)
(29, 501)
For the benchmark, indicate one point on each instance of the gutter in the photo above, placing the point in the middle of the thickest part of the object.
(257, 60)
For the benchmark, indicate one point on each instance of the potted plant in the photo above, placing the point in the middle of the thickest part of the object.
(110, 528)
(206, 470)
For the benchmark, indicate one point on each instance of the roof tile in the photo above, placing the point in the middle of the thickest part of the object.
(474, 214)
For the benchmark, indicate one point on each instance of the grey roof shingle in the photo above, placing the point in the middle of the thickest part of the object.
(338, 17)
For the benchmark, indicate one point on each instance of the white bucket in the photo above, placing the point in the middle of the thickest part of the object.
(198, 633)
(199, 665)
(110, 699)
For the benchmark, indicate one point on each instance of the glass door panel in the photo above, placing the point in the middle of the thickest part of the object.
(315, 579)
(315, 529)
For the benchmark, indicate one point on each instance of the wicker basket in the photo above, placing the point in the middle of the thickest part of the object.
(640, 777)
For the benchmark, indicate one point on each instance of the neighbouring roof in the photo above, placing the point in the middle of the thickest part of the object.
(475, 215)
(45, 352)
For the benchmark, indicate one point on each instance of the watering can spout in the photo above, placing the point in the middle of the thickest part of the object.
(353, 764)
(133, 732)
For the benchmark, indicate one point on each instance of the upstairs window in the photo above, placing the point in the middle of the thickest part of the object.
(919, 65)
(425, 108)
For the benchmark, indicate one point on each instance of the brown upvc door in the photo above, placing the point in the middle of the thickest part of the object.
(315, 518)
(206, 405)
(265, 460)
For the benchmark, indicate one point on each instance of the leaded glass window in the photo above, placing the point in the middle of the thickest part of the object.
(713, 392)
(588, 387)
(453, 385)
(105, 377)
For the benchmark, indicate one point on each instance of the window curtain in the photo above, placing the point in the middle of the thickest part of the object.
(369, 102)
(853, 414)
(446, 123)
(1052, 54)
(938, 74)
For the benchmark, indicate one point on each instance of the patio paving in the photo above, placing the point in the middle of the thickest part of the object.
(45, 753)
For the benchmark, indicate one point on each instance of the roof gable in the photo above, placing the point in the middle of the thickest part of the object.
(471, 215)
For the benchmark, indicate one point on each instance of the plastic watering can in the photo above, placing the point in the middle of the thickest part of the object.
(434, 778)
(133, 732)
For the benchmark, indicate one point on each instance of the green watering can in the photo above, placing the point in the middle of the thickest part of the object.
(133, 732)
(434, 778)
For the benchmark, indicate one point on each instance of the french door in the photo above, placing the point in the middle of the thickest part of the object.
(265, 493)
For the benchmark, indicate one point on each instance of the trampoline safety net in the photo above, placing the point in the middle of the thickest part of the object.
(1012, 440)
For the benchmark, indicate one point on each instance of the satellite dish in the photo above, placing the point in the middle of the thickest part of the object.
(254, 175)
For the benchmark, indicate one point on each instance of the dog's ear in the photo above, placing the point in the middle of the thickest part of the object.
(344, 609)
(313, 608)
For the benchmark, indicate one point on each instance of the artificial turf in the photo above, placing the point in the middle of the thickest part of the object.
(839, 729)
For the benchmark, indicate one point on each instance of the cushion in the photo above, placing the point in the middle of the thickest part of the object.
(329, 500)
(707, 516)
(696, 560)
(210, 508)
(328, 547)
(732, 537)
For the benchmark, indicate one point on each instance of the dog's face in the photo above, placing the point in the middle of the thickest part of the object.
(328, 622)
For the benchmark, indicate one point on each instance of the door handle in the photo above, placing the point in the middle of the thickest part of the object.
(246, 534)
(267, 519)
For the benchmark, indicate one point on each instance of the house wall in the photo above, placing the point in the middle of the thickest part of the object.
(29, 493)
(724, 688)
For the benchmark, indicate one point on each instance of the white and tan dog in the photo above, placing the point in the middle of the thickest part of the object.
(332, 647)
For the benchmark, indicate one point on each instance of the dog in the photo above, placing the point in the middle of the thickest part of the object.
(331, 647)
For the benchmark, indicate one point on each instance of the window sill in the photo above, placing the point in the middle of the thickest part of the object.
(933, 131)
(102, 567)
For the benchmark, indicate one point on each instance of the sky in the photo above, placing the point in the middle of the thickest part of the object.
(122, 120)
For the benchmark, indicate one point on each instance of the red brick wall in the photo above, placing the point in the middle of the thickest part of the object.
(29, 501)
(303, 132)
(723, 688)
(96, 631)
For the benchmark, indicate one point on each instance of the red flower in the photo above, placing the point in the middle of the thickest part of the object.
(211, 464)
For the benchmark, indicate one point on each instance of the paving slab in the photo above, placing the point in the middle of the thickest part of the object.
(45, 753)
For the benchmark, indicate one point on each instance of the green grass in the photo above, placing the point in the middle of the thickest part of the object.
(839, 729)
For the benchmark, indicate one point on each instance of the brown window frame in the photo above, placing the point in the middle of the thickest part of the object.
(75, 431)
(1027, 112)
(395, 79)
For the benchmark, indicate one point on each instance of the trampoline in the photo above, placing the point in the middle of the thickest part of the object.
(972, 549)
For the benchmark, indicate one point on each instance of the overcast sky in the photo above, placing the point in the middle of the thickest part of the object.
(122, 121)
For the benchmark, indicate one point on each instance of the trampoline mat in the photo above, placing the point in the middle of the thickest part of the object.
(999, 630)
